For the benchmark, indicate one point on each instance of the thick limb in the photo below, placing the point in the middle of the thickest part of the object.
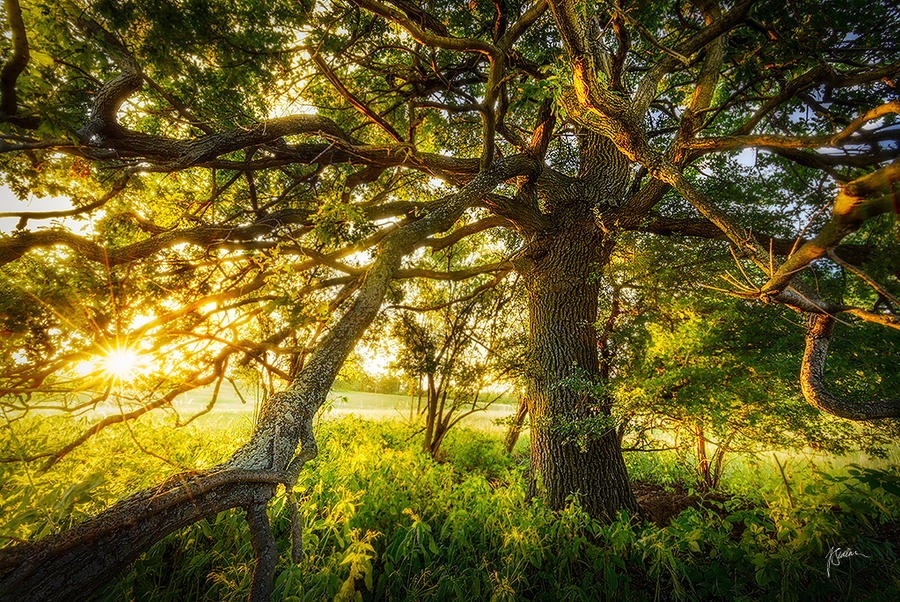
(812, 378)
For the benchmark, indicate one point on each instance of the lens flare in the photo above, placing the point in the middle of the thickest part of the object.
(122, 364)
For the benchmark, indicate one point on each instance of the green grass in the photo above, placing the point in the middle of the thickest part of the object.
(383, 521)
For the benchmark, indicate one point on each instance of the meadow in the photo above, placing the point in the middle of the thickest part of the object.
(373, 406)
(384, 521)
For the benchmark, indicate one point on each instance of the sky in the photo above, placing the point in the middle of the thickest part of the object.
(9, 203)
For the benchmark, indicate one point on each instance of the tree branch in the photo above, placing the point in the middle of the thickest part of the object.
(14, 67)
(24, 216)
(423, 36)
(702, 228)
(353, 100)
(812, 378)
(858, 201)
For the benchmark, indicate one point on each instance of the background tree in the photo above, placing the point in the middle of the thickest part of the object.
(255, 176)
(459, 344)
(715, 379)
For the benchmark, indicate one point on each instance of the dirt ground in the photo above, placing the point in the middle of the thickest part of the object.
(661, 503)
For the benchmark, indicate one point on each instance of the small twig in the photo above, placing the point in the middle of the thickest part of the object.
(741, 268)
(787, 486)
(143, 449)
(869, 280)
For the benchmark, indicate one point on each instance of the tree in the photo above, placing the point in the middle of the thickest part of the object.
(708, 379)
(255, 176)
(459, 340)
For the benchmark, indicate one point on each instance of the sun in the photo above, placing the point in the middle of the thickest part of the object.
(122, 363)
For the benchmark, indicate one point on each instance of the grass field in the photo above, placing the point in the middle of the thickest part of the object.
(232, 407)
(383, 521)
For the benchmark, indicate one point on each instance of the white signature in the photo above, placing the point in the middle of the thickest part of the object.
(835, 555)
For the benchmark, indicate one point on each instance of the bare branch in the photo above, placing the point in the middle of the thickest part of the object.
(812, 378)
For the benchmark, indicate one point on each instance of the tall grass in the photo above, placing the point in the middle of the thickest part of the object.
(383, 521)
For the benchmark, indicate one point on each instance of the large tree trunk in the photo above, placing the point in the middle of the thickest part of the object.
(574, 448)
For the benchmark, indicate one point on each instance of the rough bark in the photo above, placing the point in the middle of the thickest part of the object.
(264, 552)
(72, 564)
(812, 378)
(574, 448)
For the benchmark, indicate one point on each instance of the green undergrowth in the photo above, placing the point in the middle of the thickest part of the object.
(383, 521)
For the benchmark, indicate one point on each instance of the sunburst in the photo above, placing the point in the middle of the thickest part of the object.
(122, 363)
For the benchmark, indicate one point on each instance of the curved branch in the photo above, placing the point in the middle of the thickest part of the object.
(96, 550)
(521, 25)
(882, 292)
(422, 36)
(812, 378)
(14, 67)
(644, 33)
(458, 234)
(861, 199)
(828, 162)
(102, 121)
(708, 78)
(13, 247)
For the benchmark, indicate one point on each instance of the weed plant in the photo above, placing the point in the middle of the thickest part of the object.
(382, 521)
